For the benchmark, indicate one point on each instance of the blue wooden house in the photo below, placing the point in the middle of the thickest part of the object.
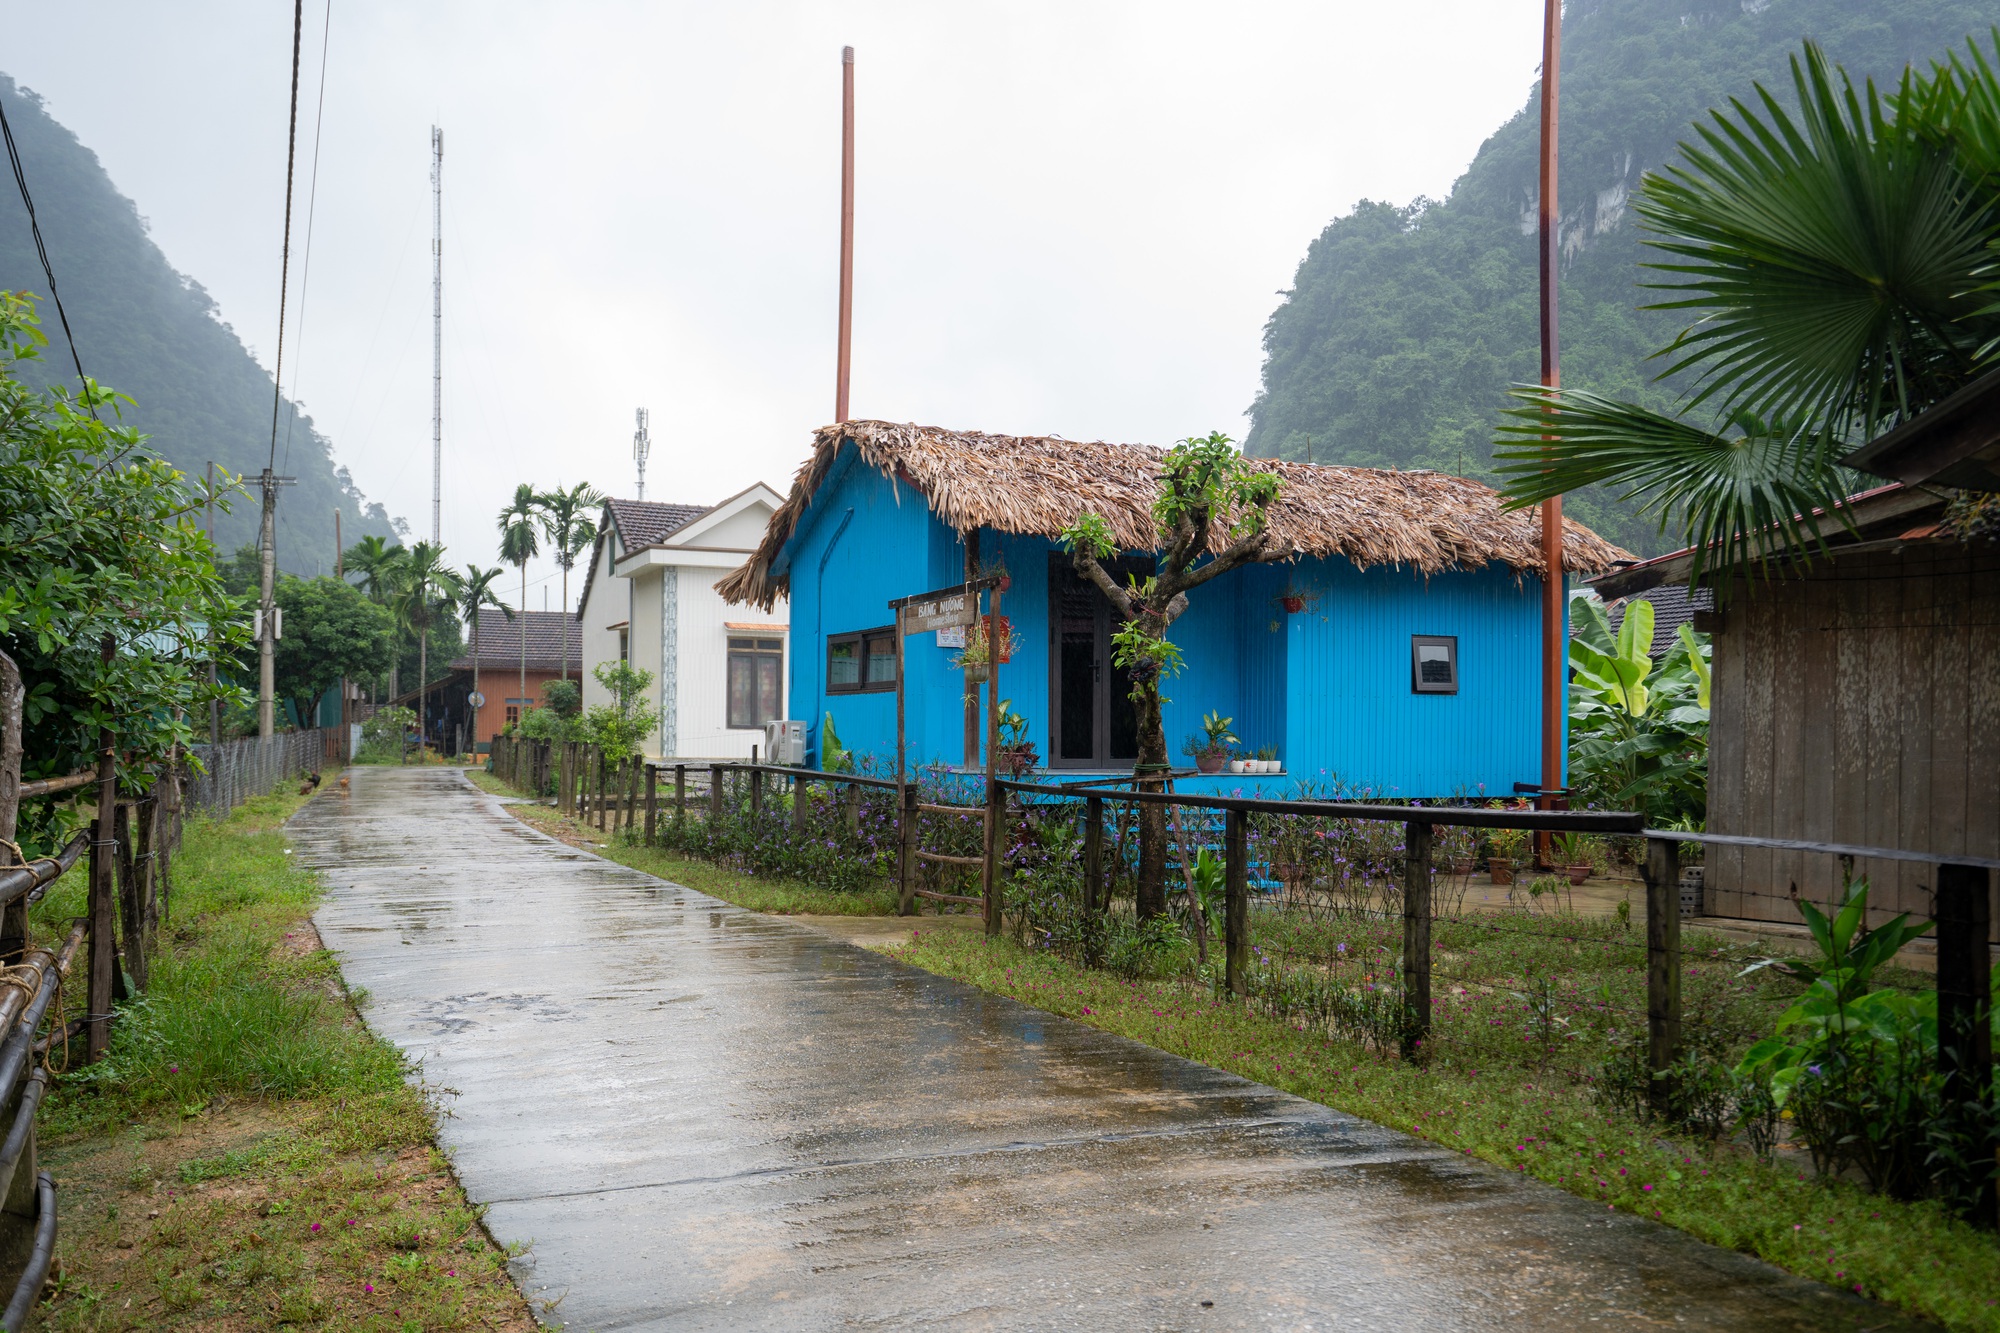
(1396, 651)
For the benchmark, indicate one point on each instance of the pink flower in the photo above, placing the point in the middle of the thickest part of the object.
(1646, 1187)
(368, 1287)
(315, 1226)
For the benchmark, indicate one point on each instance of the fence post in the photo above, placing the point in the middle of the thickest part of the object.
(1093, 855)
(604, 780)
(799, 799)
(1235, 901)
(103, 859)
(1663, 958)
(996, 833)
(652, 803)
(1416, 938)
(718, 776)
(906, 857)
(1964, 997)
(853, 799)
(680, 799)
(756, 791)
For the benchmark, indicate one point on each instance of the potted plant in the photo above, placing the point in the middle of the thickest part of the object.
(1295, 599)
(1267, 760)
(1209, 747)
(1506, 845)
(997, 569)
(1016, 754)
(973, 659)
(1237, 763)
(1572, 855)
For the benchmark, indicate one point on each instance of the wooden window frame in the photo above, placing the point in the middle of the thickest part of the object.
(860, 638)
(1419, 642)
(730, 652)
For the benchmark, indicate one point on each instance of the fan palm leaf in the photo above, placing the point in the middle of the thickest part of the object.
(1832, 255)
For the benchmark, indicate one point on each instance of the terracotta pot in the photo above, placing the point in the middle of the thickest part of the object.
(1292, 605)
(1578, 873)
(1501, 868)
(1210, 763)
(1006, 582)
(1462, 866)
(1019, 758)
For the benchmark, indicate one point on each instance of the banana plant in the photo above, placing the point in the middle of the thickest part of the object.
(1638, 733)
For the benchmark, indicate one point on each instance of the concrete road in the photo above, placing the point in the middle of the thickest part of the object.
(706, 1118)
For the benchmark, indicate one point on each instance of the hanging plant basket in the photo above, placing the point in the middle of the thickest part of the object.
(1292, 603)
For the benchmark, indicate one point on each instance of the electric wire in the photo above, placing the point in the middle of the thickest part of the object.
(42, 252)
(285, 262)
(312, 209)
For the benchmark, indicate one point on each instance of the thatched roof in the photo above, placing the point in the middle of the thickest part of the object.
(1039, 484)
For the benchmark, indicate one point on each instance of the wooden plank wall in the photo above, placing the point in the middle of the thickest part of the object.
(1857, 703)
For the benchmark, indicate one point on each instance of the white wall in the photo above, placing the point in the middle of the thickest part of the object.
(610, 602)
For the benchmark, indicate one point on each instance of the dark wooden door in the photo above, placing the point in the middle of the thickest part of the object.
(1092, 722)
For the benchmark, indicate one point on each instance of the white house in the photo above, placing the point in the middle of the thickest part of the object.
(650, 600)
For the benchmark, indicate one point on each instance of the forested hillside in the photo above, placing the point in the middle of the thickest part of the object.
(1406, 322)
(152, 333)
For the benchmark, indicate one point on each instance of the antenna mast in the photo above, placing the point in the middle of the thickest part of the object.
(437, 336)
(642, 448)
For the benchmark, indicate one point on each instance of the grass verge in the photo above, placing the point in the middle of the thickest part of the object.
(248, 1155)
(776, 896)
(1914, 1256)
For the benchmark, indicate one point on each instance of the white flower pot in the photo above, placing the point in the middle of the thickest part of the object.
(1236, 766)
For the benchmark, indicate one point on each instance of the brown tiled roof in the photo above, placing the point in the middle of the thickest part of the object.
(644, 522)
(500, 641)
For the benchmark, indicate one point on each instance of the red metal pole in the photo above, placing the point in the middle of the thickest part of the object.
(846, 230)
(1552, 535)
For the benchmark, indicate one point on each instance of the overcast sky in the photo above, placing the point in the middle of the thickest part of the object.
(1074, 217)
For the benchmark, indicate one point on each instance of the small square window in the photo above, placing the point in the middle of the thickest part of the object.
(1434, 664)
(861, 661)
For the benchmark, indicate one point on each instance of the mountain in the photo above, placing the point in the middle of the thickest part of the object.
(1406, 322)
(148, 331)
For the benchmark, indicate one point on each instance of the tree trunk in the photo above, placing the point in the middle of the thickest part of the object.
(13, 697)
(565, 624)
(1152, 894)
(423, 689)
(523, 705)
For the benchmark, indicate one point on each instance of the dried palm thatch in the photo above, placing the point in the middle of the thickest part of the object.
(1039, 484)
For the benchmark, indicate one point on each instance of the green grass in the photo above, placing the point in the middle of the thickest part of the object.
(248, 1155)
(1913, 1256)
(776, 896)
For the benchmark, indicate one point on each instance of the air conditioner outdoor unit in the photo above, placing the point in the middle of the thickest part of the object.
(785, 742)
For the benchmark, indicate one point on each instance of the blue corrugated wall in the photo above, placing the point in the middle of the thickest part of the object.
(1328, 687)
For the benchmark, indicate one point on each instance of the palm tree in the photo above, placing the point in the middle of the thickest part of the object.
(567, 522)
(377, 564)
(426, 589)
(475, 593)
(519, 543)
(1835, 261)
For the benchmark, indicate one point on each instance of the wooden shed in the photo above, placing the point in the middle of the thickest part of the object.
(1856, 695)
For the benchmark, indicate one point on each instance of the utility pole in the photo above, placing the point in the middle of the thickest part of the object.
(340, 576)
(844, 357)
(437, 336)
(1553, 610)
(642, 449)
(267, 627)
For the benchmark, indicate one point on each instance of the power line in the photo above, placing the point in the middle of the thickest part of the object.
(285, 263)
(312, 209)
(42, 251)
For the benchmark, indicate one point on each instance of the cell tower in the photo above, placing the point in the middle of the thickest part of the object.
(437, 336)
(642, 447)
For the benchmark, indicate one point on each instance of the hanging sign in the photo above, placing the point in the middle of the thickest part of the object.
(948, 608)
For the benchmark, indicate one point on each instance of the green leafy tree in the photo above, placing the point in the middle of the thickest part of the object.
(475, 593)
(374, 565)
(519, 543)
(425, 592)
(620, 728)
(1211, 515)
(332, 631)
(100, 545)
(1832, 258)
(568, 523)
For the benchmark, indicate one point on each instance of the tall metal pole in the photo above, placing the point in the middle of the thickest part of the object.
(214, 705)
(437, 336)
(642, 449)
(1552, 536)
(846, 230)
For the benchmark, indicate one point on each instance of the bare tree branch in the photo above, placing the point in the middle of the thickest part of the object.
(1121, 600)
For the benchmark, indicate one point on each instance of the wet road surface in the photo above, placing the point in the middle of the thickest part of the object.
(706, 1118)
